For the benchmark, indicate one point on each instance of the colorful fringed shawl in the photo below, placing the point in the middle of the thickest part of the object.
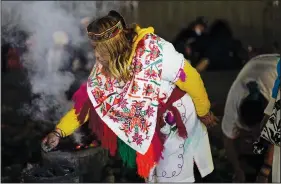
(129, 119)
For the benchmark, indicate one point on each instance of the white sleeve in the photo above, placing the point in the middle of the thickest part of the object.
(231, 118)
(172, 62)
(269, 108)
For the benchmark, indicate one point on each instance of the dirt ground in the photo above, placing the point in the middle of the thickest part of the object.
(21, 136)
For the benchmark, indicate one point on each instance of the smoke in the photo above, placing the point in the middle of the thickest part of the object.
(44, 59)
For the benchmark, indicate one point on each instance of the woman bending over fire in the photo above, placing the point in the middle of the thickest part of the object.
(144, 101)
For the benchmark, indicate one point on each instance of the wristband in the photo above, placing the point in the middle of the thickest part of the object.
(57, 133)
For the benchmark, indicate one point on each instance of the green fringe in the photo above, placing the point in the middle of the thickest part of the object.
(127, 154)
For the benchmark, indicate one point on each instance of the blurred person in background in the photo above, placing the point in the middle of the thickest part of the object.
(192, 33)
(222, 49)
(246, 101)
(272, 132)
(12, 50)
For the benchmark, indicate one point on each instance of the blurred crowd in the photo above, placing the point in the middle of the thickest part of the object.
(208, 47)
(213, 47)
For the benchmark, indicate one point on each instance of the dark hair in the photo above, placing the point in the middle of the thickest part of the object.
(252, 107)
(113, 17)
(220, 28)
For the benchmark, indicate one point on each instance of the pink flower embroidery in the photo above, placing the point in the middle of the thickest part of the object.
(140, 48)
(137, 66)
(137, 139)
(150, 111)
(182, 75)
(147, 90)
(98, 94)
(150, 74)
(123, 103)
(135, 87)
(114, 119)
(154, 53)
(147, 62)
(108, 85)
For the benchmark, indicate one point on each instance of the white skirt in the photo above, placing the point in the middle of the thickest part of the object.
(178, 162)
(276, 165)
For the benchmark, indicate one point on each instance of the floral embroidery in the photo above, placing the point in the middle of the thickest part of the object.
(135, 87)
(150, 111)
(98, 94)
(137, 139)
(155, 52)
(141, 49)
(148, 90)
(125, 110)
(150, 74)
(138, 66)
(147, 62)
(123, 103)
(108, 85)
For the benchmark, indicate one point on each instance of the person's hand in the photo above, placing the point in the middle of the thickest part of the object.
(209, 120)
(51, 141)
(262, 179)
(239, 176)
(264, 174)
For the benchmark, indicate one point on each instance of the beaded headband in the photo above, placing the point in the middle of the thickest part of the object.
(107, 34)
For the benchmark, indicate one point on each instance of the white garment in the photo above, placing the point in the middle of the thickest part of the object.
(179, 154)
(276, 153)
(261, 69)
(276, 165)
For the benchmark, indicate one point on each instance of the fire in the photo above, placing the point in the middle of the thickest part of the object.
(92, 145)
(79, 146)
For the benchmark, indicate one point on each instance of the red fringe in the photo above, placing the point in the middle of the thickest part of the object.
(95, 123)
(107, 137)
(83, 106)
(147, 161)
(158, 147)
(109, 140)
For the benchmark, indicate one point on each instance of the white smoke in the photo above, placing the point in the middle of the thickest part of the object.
(40, 19)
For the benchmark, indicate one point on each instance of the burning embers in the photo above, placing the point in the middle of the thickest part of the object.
(82, 146)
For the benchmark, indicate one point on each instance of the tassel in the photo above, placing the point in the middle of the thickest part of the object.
(127, 154)
(157, 147)
(95, 123)
(109, 140)
(107, 137)
(147, 161)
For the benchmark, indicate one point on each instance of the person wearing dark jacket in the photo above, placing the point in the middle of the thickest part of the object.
(185, 40)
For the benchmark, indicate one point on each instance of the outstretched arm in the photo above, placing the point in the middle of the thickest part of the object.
(69, 123)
